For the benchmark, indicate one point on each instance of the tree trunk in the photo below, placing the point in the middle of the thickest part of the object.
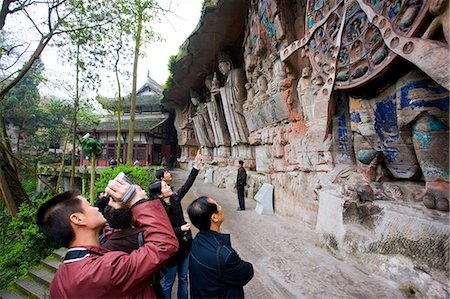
(119, 108)
(91, 189)
(11, 190)
(75, 112)
(133, 91)
(59, 182)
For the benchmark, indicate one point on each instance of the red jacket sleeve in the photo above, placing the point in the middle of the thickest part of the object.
(132, 272)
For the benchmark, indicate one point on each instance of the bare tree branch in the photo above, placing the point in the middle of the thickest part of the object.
(17, 59)
(25, 12)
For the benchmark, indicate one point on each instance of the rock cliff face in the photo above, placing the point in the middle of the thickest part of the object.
(345, 105)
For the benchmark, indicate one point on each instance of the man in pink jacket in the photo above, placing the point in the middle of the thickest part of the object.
(90, 271)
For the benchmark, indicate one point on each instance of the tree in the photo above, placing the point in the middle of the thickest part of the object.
(79, 47)
(143, 12)
(15, 51)
(20, 108)
(93, 148)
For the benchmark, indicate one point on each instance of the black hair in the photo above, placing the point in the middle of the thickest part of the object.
(53, 217)
(241, 162)
(118, 218)
(160, 173)
(200, 212)
(154, 189)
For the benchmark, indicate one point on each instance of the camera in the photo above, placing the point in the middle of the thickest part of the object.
(130, 192)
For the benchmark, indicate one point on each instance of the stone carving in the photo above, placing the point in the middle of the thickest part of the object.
(185, 132)
(440, 9)
(305, 94)
(218, 122)
(408, 125)
(261, 95)
(279, 74)
(375, 31)
(184, 126)
(233, 95)
(202, 123)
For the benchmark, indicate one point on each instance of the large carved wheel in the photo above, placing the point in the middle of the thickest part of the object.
(363, 53)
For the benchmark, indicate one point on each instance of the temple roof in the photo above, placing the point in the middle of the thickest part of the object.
(221, 26)
(150, 87)
(140, 125)
(143, 103)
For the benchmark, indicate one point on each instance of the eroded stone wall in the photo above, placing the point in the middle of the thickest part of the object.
(340, 120)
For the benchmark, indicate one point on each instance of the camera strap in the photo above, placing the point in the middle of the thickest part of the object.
(77, 254)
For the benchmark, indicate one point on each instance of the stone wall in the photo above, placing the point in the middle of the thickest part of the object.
(345, 113)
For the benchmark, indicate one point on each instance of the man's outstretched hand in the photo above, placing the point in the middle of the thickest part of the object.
(198, 159)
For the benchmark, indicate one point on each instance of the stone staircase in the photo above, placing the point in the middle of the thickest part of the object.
(36, 285)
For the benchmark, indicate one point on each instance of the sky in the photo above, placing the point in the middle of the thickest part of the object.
(175, 30)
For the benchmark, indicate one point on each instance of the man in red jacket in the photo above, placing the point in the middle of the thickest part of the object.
(90, 271)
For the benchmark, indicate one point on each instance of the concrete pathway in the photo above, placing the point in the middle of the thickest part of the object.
(286, 261)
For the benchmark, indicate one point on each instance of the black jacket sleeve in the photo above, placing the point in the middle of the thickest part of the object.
(236, 271)
(188, 184)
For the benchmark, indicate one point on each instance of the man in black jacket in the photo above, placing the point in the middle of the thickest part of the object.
(215, 269)
(241, 182)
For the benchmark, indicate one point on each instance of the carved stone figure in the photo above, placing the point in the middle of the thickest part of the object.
(279, 74)
(233, 95)
(305, 94)
(185, 132)
(316, 83)
(215, 111)
(261, 95)
(201, 120)
(439, 8)
(409, 128)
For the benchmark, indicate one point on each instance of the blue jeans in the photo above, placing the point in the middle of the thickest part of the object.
(169, 278)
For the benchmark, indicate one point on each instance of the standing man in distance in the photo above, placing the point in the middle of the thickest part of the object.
(215, 268)
(90, 271)
(241, 182)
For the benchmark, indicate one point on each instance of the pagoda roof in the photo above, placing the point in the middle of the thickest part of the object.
(150, 86)
(145, 124)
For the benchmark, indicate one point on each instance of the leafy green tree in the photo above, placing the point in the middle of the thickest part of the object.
(93, 148)
(143, 13)
(20, 108)
(17, 56)
(78, 47)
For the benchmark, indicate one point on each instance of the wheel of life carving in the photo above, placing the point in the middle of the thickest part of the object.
(363, 53)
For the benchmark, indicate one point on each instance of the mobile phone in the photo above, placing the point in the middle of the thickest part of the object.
(131, 191)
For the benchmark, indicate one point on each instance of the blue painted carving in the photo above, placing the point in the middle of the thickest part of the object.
(343, 139)
(270, 29)
(386, 126)
(355, 117)
(441, 102)
(262, 8)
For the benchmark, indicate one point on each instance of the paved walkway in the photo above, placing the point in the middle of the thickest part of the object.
(286, 262)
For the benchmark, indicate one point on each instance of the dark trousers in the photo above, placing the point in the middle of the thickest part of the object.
(241, 198)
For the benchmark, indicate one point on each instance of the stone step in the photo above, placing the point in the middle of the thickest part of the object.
(59, 253)
(32, 288)
(10, 294)
(42, 275)
(51, 263)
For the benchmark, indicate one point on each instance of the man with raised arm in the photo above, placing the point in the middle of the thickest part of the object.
(90, 271)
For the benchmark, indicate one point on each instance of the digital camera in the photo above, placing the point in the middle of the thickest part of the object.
(130, 192)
